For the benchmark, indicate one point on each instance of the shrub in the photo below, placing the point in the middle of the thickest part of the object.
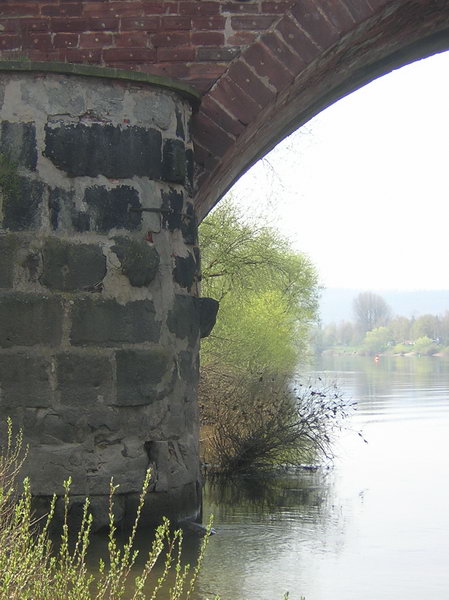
(424, 345)
(30, 568)
(264, 422)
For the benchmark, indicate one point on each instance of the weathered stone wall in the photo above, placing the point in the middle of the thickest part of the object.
(99, 323)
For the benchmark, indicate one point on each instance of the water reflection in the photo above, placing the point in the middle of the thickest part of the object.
(374, 527)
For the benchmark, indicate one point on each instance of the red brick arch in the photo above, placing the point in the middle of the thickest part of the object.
(263, 66)
(317, 52)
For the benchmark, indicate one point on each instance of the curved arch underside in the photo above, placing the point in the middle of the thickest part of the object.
(315, 53)
(263, 67)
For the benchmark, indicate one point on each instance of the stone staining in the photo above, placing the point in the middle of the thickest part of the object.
(98, 331)
(139, 260)
(98, 149)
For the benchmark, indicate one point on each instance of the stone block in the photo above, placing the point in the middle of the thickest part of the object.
(174, 161)
(139, 260)
(113, 151)
(172, 205)
(110, 461)
(18, 142)
(29, 319)
(188, 368)
(189, 227)
(83, 379)
(48, 467)
(8, 248)
(24, 381)
(207, 309)
(156, 108)
(139, 373)
(21, 205)
(69, 267)
(51, 429)
(185, 271)
(105, 322)
(183, 319)
(98, 419)
(113, 209)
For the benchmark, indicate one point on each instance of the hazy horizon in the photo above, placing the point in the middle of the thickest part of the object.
(336, 303)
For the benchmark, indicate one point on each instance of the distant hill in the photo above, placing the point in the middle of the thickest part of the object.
(336, 303)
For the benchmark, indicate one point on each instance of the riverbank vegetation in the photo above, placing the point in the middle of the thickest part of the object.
(34, 568)
(253, 414)
(376, 331)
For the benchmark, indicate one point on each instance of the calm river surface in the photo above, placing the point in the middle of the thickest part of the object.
(375, 527)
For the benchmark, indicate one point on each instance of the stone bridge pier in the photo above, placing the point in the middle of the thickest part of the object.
(99, 315)
(101, 178)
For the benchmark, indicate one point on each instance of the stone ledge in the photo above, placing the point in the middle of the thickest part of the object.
(186, 91)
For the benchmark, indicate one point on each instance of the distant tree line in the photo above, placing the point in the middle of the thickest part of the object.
(375, 330)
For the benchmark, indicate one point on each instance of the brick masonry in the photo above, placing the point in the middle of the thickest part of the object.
(99, 319)
(264, 67)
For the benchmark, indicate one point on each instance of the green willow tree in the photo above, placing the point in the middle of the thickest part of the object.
(268, 294)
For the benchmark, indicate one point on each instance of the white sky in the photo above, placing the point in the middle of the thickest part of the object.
(363, 187)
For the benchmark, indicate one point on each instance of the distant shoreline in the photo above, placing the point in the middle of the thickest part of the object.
(362, 353)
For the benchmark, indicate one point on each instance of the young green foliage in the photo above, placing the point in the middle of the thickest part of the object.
(268, 293)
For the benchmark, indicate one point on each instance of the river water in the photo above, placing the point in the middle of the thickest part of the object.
(375, 526)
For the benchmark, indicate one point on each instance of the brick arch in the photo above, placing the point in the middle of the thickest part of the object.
(316, 53)
(263, 67)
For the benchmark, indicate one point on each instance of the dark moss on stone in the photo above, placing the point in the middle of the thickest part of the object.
(190, 168)
(81, 221)
(31, 263)
(21, 208)
(184, 271)
(172, 206)
(8, 248)
(104, 149)
(207, 309)
(30, 319)
(139, 260)
(69, 267)
(179, 125)
(105, 322)
(54, 208)
(189, 227)
(138, 374)
(24, 380)
(174, 161)
(183, 319)
(18, 142)
(83, 378)
(61, 208)
(118, 208)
